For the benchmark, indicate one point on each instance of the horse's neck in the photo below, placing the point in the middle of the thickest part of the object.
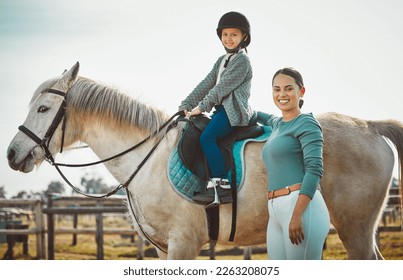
(107, 141)
(110, 122)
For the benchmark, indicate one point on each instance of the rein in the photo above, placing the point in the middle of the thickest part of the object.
(126, 184)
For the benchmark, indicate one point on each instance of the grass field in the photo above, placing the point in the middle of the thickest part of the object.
(117, 247)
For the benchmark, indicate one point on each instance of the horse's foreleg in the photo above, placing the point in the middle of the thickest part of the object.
(162, 255)
(182, 249)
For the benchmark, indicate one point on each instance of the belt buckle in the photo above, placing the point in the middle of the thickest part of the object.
(289, 191)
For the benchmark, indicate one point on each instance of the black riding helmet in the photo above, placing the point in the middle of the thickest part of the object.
(235, 20)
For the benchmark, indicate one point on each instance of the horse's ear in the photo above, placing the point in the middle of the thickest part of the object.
(70, 76)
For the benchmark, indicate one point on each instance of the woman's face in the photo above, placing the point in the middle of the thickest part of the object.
(231, 37)
(286, 93)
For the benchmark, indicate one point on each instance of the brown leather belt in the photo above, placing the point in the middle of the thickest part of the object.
(283, 191)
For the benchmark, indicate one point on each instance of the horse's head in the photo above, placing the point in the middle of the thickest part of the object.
(41, 134)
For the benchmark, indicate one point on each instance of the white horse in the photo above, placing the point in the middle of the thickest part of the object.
(358, 165)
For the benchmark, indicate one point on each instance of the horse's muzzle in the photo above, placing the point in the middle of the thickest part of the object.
(26, 165)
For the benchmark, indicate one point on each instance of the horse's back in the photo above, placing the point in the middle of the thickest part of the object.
(352, 144)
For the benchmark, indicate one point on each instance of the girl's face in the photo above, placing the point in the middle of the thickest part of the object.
(231, 37)
(286, 95)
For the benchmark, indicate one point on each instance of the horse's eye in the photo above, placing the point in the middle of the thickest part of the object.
(42, 109)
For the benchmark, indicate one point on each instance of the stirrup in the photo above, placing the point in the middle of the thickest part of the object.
(216, 201)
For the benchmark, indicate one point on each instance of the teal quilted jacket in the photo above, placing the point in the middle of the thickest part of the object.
(232, 91)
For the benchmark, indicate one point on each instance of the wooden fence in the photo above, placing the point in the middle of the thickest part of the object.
(38, 229)
(86, 206)
(74, 206)
(44, 227)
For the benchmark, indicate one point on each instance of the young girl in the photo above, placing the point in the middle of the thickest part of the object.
(227, 89)
(298, 217)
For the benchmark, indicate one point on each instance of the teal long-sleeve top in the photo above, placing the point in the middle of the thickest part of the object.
(293, 152)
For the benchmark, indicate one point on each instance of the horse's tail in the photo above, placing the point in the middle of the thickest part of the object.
(393, 130)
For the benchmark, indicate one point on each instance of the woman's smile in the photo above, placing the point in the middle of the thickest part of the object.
(283, 101)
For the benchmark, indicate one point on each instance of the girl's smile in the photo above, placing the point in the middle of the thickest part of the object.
(231, 37)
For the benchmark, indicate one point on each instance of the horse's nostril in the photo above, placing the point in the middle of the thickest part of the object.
(10, 154)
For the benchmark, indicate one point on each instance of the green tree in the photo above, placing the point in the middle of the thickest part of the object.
(22, 195)
(55, 187)
(94, 185)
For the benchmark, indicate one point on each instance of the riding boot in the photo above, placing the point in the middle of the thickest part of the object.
(218, 191)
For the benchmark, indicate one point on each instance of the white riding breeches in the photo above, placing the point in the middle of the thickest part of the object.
(316, 223)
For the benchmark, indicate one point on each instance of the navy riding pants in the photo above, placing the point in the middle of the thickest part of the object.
(218, 128)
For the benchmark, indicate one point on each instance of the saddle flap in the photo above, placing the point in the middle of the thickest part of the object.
(191, 153)
(189, 149)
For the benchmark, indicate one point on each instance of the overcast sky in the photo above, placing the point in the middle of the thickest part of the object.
(348, 51)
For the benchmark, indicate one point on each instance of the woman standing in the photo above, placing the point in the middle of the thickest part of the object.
(298, 217)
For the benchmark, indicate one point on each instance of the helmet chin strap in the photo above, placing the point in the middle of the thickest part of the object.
(236, 50)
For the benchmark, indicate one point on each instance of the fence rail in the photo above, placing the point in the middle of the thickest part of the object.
(44, 228)
(85, 210)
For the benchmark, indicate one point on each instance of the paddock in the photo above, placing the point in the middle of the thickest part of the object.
(59, 215)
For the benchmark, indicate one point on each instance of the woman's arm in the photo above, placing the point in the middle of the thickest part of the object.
(311, 140)
(266, 119)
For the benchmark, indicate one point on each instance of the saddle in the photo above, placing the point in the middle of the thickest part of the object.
(191, 153)
(192, 157)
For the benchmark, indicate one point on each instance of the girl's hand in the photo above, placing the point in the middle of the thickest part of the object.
(195, 111)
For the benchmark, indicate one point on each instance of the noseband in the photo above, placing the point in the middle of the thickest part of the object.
(45, 141)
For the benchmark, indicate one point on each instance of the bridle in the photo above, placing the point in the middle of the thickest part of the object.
(61, 117)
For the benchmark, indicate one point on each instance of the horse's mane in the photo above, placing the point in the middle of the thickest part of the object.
(106, 103)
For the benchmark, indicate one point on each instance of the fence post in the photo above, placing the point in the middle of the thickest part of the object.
(99, 234)
(140, 249)
(9, 255)
(247, 253)
(51, 231)
(40, 235)
(75, 224)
